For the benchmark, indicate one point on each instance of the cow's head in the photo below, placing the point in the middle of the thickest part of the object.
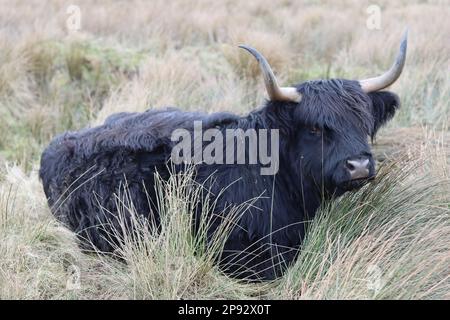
(332, 122)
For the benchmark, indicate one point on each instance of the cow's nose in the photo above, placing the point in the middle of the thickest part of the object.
(358, 168)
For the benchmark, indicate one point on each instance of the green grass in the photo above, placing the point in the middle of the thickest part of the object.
(66, 85)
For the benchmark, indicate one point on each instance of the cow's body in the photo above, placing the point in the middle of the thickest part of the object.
(87, 170)
(323, 151)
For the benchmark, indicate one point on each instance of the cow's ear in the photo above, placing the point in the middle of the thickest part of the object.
(384, 105)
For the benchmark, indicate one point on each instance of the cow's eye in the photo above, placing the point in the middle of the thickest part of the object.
(315, 131)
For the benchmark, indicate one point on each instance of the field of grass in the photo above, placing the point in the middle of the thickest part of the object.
(389, 240)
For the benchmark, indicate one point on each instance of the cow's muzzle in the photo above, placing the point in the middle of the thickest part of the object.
(358, 168)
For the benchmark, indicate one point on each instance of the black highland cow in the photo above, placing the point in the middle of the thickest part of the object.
(323, 126)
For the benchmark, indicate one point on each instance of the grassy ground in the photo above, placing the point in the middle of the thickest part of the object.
(388, 240)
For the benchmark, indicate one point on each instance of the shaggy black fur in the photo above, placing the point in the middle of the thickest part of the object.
(330, 125)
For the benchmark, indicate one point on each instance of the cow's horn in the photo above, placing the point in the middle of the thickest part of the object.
(275, 92)
(388, 78)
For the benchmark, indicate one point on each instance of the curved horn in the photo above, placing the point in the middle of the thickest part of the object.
(275, 92)
(388, 78)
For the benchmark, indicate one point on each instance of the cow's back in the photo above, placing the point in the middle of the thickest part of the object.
(87, 174)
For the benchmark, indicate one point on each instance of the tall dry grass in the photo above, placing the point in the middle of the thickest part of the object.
(184, 53)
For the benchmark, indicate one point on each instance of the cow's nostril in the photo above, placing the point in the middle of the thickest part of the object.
(358, 168)
(350, 166)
